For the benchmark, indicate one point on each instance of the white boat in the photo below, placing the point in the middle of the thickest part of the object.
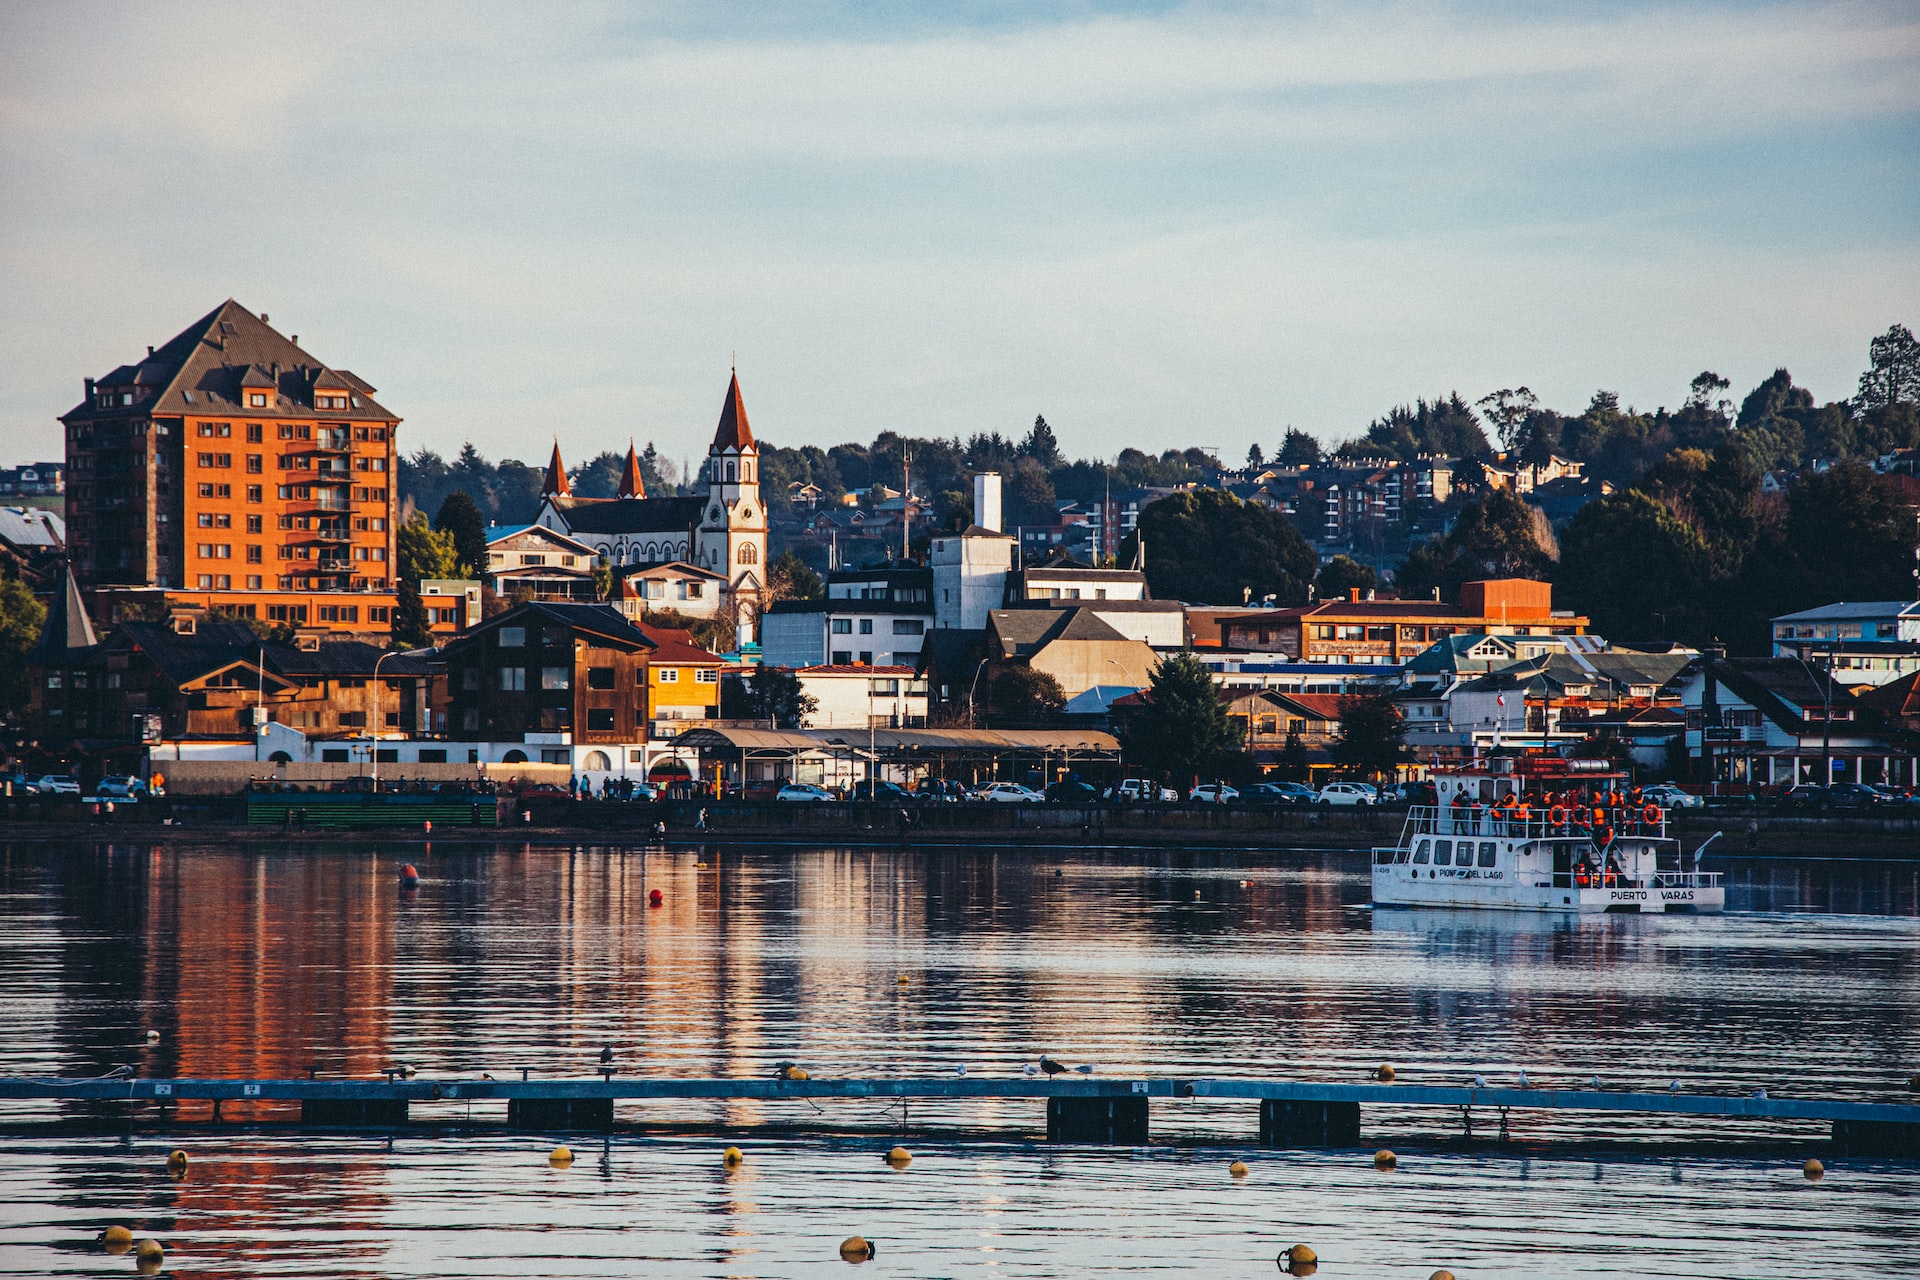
(1539, 833)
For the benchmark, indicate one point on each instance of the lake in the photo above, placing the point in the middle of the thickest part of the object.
(269, 958)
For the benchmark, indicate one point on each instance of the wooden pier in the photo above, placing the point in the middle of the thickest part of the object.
(1079, 1108)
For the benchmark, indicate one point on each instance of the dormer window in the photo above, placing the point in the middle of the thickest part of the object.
(256, 399)
(329, 402)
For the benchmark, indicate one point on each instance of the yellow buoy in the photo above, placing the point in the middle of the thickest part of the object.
(1238, 1168)
(117, 1239)
(732, 1157)
(798, 1073)
(1302, 1253)
(899, 1157)
(1383, 1072)
(857, 1249)
(560, 1157)
(1441, 1274)
(177, 1162)
(904, 980)
(1385, 1159)
(1814, 1170)
(150, 1250)
(1300, 1260)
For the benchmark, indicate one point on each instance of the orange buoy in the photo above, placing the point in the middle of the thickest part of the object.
(1814, 1170)
(1238, 1169)
(655, 898)
(409, 875)
(857, 1249)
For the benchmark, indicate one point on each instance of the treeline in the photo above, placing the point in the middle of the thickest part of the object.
(508, 491)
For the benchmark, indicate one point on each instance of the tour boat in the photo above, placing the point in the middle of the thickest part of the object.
(1540, 833)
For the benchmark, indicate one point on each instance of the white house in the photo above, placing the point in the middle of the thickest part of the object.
(858, 697)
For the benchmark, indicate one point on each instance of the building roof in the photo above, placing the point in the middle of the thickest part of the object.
(1855, 609)
(1897, 699)
(31, 528)
(349, 658)
(1316, 706)
(850, 669)
(733, 433)
(672, 569)
(1781, 688)
(67, 626)
(631, 484)
(612, 516)
(554, 484)
(207, 367)
(1022, 632)
(500, 533)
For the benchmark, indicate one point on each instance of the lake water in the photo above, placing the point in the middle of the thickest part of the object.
(269, 959)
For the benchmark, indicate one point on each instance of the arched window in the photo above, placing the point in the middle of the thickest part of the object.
(280, 757)
(746, 471)
(748, 555)
(653, 552)
(595, 762)
(514, 757)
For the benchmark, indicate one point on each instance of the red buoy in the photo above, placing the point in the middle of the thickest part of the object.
(655, 898)
(409, 875)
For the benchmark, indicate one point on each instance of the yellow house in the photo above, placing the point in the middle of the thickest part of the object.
(683, 683)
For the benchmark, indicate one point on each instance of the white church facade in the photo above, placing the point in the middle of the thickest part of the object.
(721, 529)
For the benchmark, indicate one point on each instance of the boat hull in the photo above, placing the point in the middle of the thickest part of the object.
(1392, 887)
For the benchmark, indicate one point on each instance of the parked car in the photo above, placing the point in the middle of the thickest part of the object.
(56, 784)
(120, 788)
(1142, 791)
(1352, 794)
(880, 791)
(1271, 794)
(1007, 793)
(1072, 791)
(1896, 795)
(22, 785)
(1853, 795)
(1213, 793)
(1672, 797)
(803, 793)
(940, 791)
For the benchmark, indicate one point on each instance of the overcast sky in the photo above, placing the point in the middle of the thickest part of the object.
(1159, 225)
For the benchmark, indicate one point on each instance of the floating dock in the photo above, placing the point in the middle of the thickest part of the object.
(1079, 1108)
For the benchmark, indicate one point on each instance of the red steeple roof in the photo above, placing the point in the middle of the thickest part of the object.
(555, 485)
(631, 485)
(734, 433)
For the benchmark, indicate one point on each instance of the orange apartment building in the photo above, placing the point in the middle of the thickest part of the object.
(231, 469)
(1370, 632)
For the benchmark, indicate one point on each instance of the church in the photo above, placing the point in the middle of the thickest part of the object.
(723, 531)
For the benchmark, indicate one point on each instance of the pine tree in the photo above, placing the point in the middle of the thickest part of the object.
(460, 516)
(412, 629)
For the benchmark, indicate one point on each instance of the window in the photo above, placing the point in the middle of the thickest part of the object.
(470, 720)
(1322, 631)
(1350, 633)
(842, 657)
(353, 719)
(669, 675)
(909, 627)
(380, 613)
(842, 626)
(1487, 854)
(512, 637)
(513, 679)
(253, 433)
(254, 464)
(556, 677)
(533, 560)
(600, 677)
(470, 679)
(1420, 854)
(600, 720)
(253, 583)
(866, 626)
(706, 675)
(1443, 853)
(748, 555)
(253, 493)
(1380, 633)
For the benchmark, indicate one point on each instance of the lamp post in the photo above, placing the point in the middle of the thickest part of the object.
(373, 730)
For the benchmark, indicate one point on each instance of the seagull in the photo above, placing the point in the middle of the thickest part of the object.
(960, 1068)
(1760, 1093)
(1030, 1069)
(1594, 1084)
(1524, 1082)
(1085, 1068)
(1052, 1066)
(606, 1056)
(1674, 1087)
(486, 1075)
(1479, 1082)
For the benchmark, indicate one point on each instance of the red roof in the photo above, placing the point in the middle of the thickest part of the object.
(673, 651)
(734, 433)
(556, 482)
(631, 485)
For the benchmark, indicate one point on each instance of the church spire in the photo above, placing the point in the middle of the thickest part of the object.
(631, 483)
(555, 485)
(733, 433)
(67, 626)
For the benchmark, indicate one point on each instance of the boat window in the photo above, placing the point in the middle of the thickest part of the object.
(1420, 854)
(1488, 856)
(1443, 853)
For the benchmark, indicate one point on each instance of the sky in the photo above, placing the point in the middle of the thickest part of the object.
(1158, 225)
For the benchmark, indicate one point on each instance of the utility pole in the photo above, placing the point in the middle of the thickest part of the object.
(906, 505)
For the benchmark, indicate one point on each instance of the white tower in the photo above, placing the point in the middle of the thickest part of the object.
(732, 538)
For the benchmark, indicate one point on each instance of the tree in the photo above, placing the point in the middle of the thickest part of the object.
(1507, 410)
(459, 516)
(1183, 730)
(1636, 569)
(1343, 574)
(1209, 547)
(1498, 536)
(1893, 371)
(1041, 446)
(411, 628)
(1373, 736)
(1024, 698)
(1701, 392)
(21, 619)
(1256, 458)
(1298, 448)
(1293, 759)
(768, 694)
(791, 578)
(1849, 536)
(422, 551)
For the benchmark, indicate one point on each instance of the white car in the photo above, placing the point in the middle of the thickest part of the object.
(804, 793)
(128, 788)
(1007, 793)
(1673, 798)
(1138, 790)
(1213, 793)
(1354, 794)
(56, 784)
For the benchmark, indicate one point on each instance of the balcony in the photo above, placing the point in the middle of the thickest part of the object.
(337, 441)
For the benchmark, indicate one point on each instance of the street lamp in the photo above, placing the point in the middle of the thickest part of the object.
(373, 730)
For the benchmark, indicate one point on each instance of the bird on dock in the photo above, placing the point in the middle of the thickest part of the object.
(1479, 1082)
(606, 1056)
(1052, 1066)
(1674, 1087)
(959, 1068)
(1524, 1083)
(1030, 1069)
(1085, 1068)
(1594, 1084)
(789, 1071)
(486, 1075)
(1760, 1094)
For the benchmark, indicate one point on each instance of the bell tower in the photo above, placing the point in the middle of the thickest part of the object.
(732, 538)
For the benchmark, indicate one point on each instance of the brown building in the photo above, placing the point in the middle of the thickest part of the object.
(1369, 632)
(234, 470)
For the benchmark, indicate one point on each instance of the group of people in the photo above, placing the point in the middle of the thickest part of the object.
(1598, 812)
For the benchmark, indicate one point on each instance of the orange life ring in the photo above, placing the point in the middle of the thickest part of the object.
(1558, 815)
(1651, 815)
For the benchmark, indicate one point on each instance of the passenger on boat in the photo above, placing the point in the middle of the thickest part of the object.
(1583, 873)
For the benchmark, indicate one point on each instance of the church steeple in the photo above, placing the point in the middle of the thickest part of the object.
(733, 434)
(631, 483)
(555, 485)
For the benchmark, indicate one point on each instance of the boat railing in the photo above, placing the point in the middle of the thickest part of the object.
(1484, 820)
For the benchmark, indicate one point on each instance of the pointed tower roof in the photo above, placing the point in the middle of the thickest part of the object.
(555, 485)
(631, 484)
(734, 433)
(68, 626)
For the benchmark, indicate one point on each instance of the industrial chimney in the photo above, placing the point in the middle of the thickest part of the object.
(986, 500)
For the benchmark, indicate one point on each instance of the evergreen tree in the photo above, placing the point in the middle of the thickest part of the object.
(459, 516)
(1256, 458)
(1022, 698)
(1373, 736)
(768, 694)
(1183, 730)
(1893, 372)
(1297, 449)
(412, 629)
(1343, 574)
(1208, 547)
(791, 578)
(22, 617)
(1293, 760)
(1041, 446)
